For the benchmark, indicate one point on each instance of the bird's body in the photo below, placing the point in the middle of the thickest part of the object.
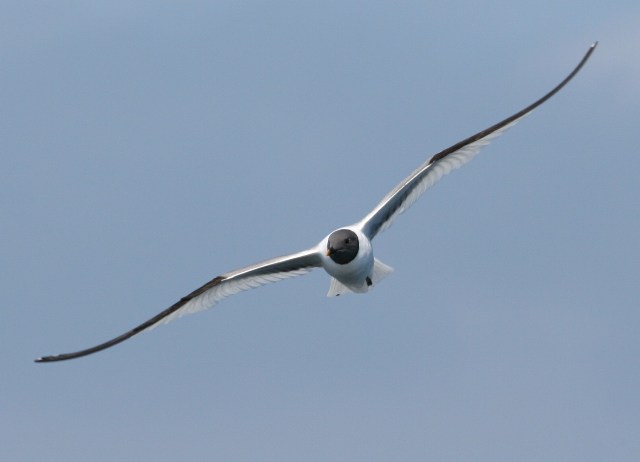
(346, 254)
(351, 272)
(358, 272)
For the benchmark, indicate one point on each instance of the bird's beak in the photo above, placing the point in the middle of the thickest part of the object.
(329, 251)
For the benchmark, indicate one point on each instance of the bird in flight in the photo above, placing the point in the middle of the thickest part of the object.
(346, 253)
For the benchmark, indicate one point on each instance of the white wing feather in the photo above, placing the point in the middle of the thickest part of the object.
(226, 289)
(423, 178)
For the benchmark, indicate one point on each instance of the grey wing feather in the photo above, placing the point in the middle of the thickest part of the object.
(426, 175)
(212, 292)
(248, 278)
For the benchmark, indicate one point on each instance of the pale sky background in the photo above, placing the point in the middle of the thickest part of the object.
(150, 146)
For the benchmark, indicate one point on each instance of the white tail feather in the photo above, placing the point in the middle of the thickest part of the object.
(337, 288)
(379, 272)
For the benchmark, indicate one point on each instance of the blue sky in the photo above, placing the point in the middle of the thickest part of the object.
(149, 146)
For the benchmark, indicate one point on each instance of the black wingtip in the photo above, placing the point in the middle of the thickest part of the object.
(54, 358)
(49, 359)
(136, 330)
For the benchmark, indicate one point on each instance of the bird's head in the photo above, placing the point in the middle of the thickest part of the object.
(342, 246)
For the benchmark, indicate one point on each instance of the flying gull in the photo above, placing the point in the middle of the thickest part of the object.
(346, 253)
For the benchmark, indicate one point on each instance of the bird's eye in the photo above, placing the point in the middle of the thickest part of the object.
(347, 240)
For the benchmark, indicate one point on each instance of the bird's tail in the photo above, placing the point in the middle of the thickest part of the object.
(379, 272)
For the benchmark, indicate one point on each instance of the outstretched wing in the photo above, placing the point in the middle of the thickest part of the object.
(212, 292)
(411, 188)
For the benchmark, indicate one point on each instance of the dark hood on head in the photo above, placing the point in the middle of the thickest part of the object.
(342, 246)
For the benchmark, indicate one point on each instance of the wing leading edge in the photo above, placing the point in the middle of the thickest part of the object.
(212, 292)
(426, 175)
